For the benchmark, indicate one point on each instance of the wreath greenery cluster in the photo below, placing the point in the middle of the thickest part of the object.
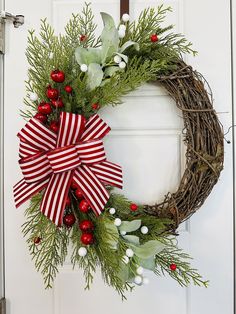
(126, 242)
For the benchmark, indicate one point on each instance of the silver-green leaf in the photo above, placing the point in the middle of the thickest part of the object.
(130, 226)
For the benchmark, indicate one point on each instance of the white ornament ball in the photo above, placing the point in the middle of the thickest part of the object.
(138, 280)
(129, 253)
(122, 27)
(139, 270)
(117, 222)
(51, 55)
(125, 17)
(145, 281)
(122, 65)
(117, 59)
(144, 230)
(112, 211)
(125, 259)
(82, 251)
(83, 68)
(33, 97)
(121, 33)
(123, 233)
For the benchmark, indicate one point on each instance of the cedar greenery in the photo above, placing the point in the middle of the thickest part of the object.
(161, 62)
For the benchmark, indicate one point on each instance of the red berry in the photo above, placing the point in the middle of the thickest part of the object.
(86, 225)
(133, 207)
(83, 37)
(44, 108)
(173, 267)
(68, 89)
(73, 185)
(58, 103)
(154, 38)
(84, 206)
(68, 201)
(41, 117)
(54, 126)
(52, 93)
(37, 240)
(69, 220)
(87, 238)
(78, 193)
(95, 106)
(58, 76)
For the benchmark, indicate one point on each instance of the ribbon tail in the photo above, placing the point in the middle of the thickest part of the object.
(54, 199)
(93, 190)
(109, 173)
(23, 191)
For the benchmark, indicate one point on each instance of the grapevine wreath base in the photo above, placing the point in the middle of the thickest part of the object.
(65, 171)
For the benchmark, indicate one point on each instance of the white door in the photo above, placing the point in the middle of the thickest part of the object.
(147, 121)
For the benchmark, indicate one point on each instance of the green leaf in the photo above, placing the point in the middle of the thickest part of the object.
(148, 263)
(94, 75)
(123, 273)
(112, 234)
(129, 226)
(87, 56)
(109, 37)
(127, 44)
(132, 239)
(110, 71)
(148, 249)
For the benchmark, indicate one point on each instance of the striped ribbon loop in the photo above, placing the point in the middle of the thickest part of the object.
(51, 162)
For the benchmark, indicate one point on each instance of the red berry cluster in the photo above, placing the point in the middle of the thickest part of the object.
(54, 100)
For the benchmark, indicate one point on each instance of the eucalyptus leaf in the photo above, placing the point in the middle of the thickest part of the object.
(109, 71)
(148, 263)
(148, 249)
(94, 75)
(112, 234)
(88, 55)
(129, 226)
(123, 273)
(127, 44)
(132, 239)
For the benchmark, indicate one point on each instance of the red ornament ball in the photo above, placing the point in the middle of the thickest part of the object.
(54, 126)
(78, 193)
(58, 103)
(58, 76)
(68, 89)
(173, 267)
(154, 38)
(87, 238)
(95, 106)
(44, 108)
(37, 240)
(69, 220)
(133, 207)
(84, 206)
(41, 117)
(83, 37)
(86, 225)
(52, 93)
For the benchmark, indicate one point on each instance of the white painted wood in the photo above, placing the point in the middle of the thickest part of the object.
(148, 121)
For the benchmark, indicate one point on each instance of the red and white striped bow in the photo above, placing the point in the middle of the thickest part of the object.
(51, 162)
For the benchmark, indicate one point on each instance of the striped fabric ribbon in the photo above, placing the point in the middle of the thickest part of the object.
(52, 162)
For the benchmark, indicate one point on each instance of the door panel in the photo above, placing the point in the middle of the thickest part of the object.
(146, 139)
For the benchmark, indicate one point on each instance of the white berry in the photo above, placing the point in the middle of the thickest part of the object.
(145, 281)
(112, 211)
(121, 33)
(129, 253)
(117, 222)
(83, 68)
(33, 96)
(82, 251)
(144, 230)
(139, 270)
(117, 59)
(125, 17)
(122, 27)
(123, 233)
(138, 280)
(51, 55)
(125, 259)
(122, 65)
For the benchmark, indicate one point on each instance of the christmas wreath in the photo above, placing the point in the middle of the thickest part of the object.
(65, 171)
